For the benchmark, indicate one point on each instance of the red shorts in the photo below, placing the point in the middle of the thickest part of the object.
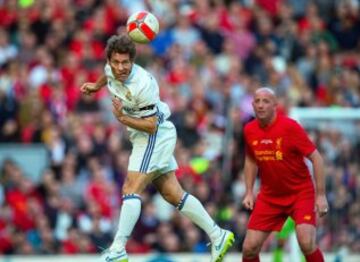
(268, 216)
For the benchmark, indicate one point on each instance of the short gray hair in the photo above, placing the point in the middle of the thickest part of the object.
(265, 89)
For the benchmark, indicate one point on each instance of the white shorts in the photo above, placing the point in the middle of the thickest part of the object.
(154, 153)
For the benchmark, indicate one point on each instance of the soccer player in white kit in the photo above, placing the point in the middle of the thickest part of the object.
(137, 105)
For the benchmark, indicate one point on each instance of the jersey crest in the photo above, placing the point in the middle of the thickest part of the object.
(128, 96)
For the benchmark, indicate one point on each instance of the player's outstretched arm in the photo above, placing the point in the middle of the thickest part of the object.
(148, 124)
(250, 172)
(319, 175)
(89, 88)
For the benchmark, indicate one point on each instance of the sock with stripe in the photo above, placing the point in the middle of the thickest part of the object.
(255, 259)
(129, 215)
(315, 256)
(191, 207)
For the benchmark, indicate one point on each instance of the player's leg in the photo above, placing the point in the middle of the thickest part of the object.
(190, 206)
(253, 242)
(306, 235)
(137, 179)
(134, 185)
(305, 219)
(264, 219)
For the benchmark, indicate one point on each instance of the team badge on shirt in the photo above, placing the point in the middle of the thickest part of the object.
(278, 155)
(128, 96)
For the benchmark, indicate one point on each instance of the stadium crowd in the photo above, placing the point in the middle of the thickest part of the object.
(209, 57)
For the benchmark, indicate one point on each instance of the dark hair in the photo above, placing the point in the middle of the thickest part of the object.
(121, 44)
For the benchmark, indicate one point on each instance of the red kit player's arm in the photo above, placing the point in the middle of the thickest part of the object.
(250, 172)
(318, 166)
(321, 203)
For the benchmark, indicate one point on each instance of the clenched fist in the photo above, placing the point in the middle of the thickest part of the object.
(89, 88)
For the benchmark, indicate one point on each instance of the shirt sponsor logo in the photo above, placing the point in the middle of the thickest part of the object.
(265, 155)
(273, 152)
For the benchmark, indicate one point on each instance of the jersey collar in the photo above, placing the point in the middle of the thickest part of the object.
(267, 127)
(131, 75)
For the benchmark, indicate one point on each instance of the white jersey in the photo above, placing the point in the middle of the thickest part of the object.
(139, 94)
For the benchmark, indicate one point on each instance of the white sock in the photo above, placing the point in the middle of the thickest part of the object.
(130, 212)
(191, 207)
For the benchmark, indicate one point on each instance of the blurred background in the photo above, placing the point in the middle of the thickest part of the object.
(63, 156)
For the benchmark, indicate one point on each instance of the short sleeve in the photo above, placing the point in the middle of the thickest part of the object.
(301, 140)
(147, 100)
(248, 150)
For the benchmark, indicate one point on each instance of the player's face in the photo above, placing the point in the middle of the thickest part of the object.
(264, 105)
(121, 66)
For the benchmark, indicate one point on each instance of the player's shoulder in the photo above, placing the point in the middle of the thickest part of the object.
(139, 71)
(289, 123)
(138, 68)
(140, 75)
(288, 120)
(136, 79)
(251, 125)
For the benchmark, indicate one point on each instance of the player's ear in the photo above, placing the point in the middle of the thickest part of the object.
(274, 100)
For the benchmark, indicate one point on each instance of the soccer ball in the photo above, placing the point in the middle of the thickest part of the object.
(142, 27)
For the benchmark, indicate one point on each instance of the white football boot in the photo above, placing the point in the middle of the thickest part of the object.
(114, 256)
(220, 246)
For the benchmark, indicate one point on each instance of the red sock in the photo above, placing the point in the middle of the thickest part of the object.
(255, 259)
(315, 256)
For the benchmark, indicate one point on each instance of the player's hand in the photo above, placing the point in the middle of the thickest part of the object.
(88, 88)
(117, 108)
(249, 201)
(322, 206)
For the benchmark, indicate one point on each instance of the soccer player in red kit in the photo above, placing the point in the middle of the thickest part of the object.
(275, 150)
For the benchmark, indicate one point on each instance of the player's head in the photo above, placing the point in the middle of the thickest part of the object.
(120, 53)
(264, 104)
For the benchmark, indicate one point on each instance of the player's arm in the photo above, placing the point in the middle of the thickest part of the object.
(89, 88)
(308, 149)
(319, 176)
(146, 124)
(250, 173)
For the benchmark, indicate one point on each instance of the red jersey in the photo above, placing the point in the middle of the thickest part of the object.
(279, 150)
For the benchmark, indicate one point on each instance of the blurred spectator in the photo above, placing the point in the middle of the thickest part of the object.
(7, 49)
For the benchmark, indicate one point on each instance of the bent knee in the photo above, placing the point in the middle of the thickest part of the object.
(251, 249)
(134, 185)
(307, 246)
(172, 197)
(128, 189)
